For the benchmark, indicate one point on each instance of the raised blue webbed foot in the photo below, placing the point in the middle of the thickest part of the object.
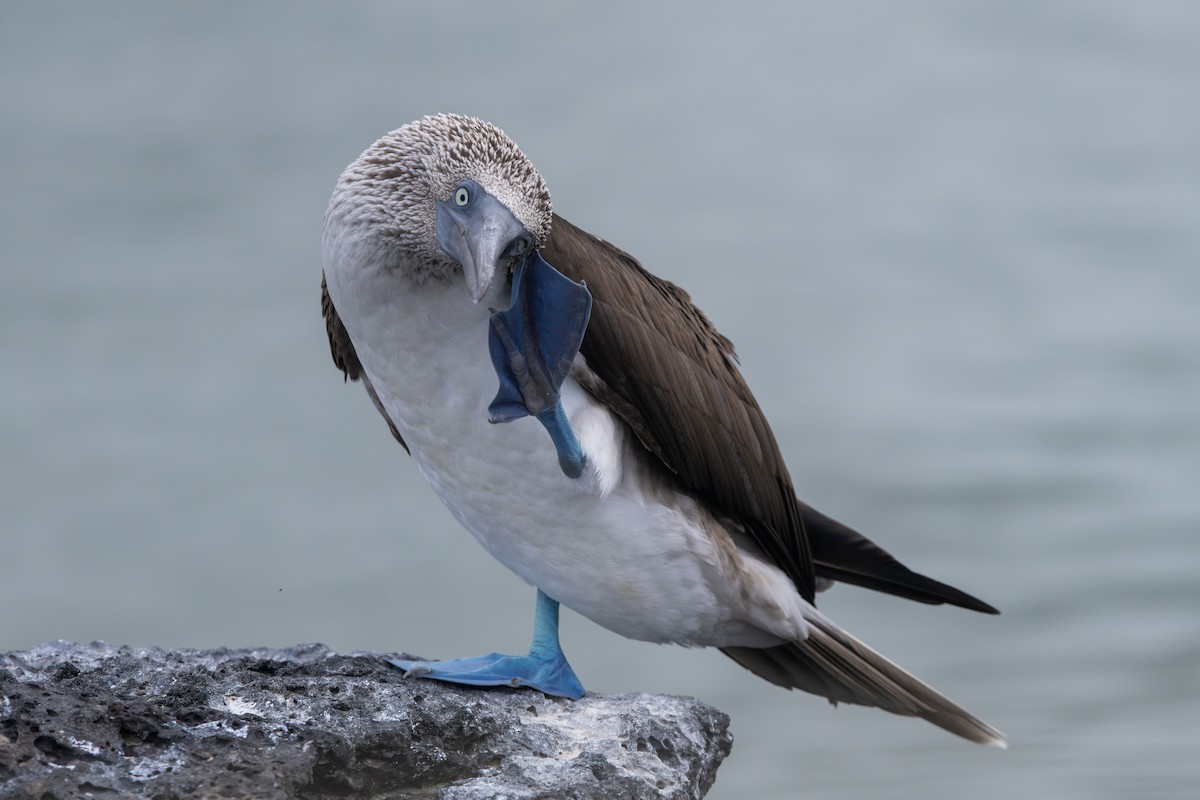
(544, 668)
(532, 346)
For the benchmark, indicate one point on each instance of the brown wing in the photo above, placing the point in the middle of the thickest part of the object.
(346, 359)
(677, 386)
(673, 378)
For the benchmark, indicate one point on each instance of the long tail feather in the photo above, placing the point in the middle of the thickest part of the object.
(833, 664)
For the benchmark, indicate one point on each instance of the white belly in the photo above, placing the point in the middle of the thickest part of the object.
(598, 544)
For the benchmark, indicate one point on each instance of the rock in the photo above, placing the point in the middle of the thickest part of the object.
(304, 722)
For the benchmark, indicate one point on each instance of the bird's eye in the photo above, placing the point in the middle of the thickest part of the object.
(461, 196)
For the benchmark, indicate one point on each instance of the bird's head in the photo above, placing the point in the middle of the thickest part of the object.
(441, 197)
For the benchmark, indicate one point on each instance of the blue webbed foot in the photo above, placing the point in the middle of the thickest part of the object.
(544, 668)
(532, 346)
(553, 677)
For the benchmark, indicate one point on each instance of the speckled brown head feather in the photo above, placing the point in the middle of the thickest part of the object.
(391, 189)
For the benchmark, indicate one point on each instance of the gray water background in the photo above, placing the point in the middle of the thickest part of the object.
(956, 244)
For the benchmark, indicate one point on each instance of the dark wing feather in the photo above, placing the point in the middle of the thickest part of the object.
(673, 378)
(680, 391)
(843, 554)
(345, 358)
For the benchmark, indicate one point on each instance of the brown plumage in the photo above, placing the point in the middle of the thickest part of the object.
(653, 358)
(673, 378)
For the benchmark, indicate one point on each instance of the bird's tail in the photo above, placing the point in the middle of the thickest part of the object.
(833, 664)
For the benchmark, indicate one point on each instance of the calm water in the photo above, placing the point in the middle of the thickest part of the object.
(956, 243)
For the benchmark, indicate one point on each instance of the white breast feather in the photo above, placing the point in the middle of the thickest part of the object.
(600, 544)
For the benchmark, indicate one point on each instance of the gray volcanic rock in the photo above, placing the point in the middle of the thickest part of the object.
(304, 722)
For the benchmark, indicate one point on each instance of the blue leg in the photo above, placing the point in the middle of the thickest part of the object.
(532, 345)
(545, 668)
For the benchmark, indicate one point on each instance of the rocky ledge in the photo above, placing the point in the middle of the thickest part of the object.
(304, 722)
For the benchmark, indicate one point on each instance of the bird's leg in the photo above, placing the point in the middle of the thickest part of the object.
(532, 345)
(544, 668)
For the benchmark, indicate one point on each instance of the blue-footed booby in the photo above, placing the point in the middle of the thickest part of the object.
(659, 505)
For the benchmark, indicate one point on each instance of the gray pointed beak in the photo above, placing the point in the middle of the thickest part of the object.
(480, 235)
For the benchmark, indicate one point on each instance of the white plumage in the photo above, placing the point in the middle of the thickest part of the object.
(611, 544)
(688, 531)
